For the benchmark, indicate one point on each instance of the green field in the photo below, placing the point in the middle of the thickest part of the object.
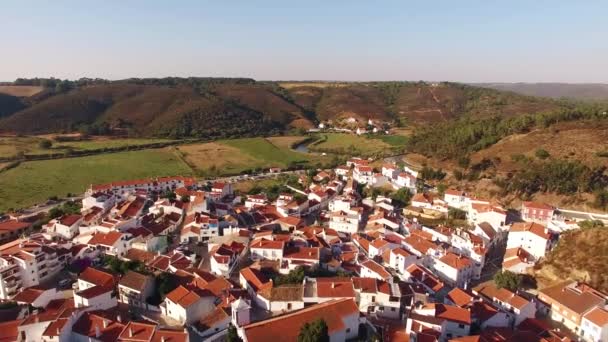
(393, 140)
(348, 144)
(34, 182)
(11, 146)
(230, 157)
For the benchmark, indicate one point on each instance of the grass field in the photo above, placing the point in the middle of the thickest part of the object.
(10, 146)
(286, 141)
(228, 157)
(393, 140)
(348, 144)
(34, 182)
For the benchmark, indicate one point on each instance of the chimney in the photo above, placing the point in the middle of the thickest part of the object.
(162, 339)
(97, 331)
(130, 332)
(333, 285)
(118, 318)
(105, 323)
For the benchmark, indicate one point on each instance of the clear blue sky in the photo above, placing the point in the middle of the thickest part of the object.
(468, 41)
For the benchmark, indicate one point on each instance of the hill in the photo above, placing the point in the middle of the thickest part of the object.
(210, 107)
(584, 91)
(579, 255)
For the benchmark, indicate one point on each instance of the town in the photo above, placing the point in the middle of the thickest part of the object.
(177, 259)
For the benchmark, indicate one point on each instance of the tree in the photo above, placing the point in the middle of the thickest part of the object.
(457, 214)
(315, 331)
(507, 280)
(591, 224)
(45, 144)
(185, 198)
(402, 197)
(232, 335)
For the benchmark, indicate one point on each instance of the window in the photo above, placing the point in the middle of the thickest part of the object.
(461, 326)
(347, 330)
(393, 309)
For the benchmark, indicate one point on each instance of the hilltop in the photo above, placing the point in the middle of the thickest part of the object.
(583, 91)
(207, 107)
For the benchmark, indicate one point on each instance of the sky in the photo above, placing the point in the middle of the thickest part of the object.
(463, 41)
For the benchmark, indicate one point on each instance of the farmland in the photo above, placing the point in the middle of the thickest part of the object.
(228, 157)
(11, 146)
(35, 181)
(348, 144)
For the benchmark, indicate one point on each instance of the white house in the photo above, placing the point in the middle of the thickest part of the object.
(363, 174)
(454, 269)
(187, 305)
(400, 259)
(372, 269)
(594, 326)
(532, 237)
(266, 249)
(65, 226)
(134, 288)
(450, 321)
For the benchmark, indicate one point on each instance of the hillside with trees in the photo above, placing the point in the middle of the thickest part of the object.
(180, 107)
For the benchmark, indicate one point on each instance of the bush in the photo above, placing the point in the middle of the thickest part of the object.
(45, 144)
(315, 331)
(541, 154)
(507, 280)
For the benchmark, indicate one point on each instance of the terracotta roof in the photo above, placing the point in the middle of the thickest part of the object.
(456, 261)
(106, 239)
(578, 300)
(451, 313)
(308, 253)
(55, 328)
(164, 335)
(376, 268)
(454, 192)
(267, 244)
(366, 285)
(216, 316)
(29, 295)
(335, 288)
(89, 322)
(137, 331)
(534, 228)
(9, 331)
(185, 297)
(490, 291)
(256, 279)
(284, 293)
(69, 220)
(402, 252)
(13, 225)
(419, 244)
(460, 297)
(424, 276)
(97, 277)
(487, 229)
(287, 327)
(134, 280)
(598, 316)
(379, 243)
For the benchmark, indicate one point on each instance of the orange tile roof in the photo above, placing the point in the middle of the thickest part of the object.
(97, 277)
(335, 288)
(106, 239)
(29, 295)
(535, 228)
(185, 297)
(451, 313)
(136, 331)
(537, 205)
(267, 244)
(376, 268)
(598, 316)
(89, 322)
(163, 335)
(256, 279)
(9, 331)
(459, 297)
(287, 327)
(456, 261)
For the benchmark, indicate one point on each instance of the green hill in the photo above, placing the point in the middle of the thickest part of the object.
(213, 107)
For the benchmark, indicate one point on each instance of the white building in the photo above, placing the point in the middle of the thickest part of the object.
(532, 237)
(594, 326)
(454, 269)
